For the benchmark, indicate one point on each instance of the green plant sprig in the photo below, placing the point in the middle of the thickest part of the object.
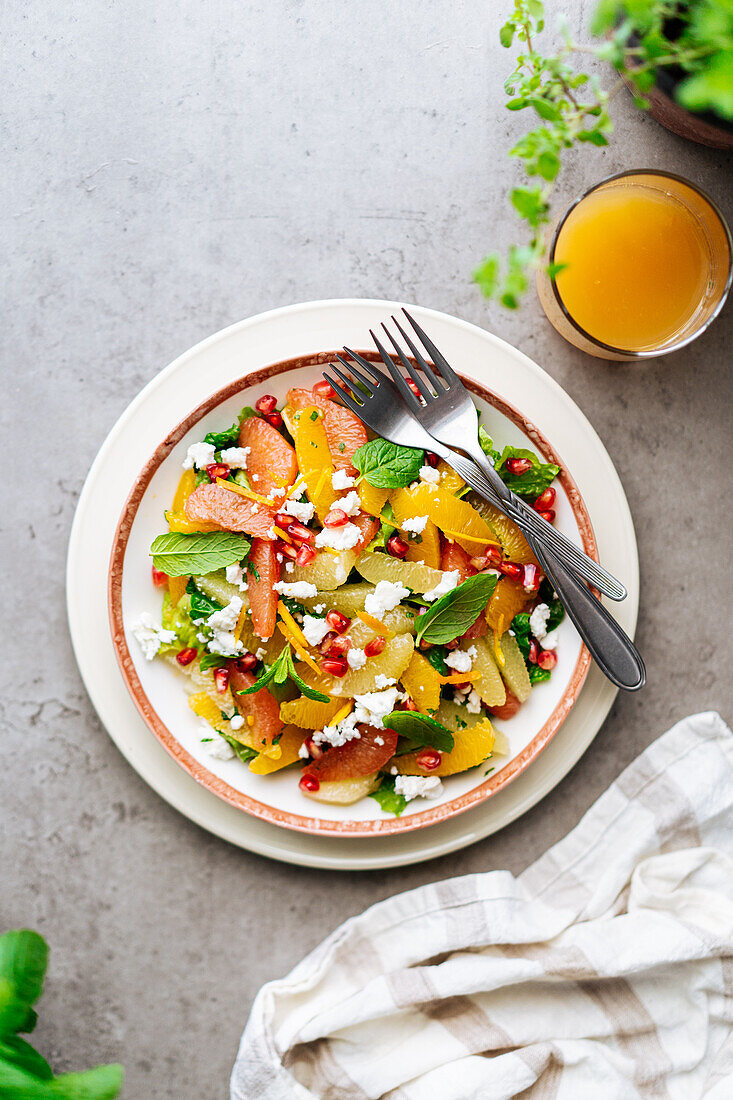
(573, 108)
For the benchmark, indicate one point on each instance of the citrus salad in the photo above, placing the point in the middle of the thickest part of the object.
(348, 607)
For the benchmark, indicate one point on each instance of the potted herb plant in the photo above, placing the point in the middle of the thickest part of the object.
(675, 55)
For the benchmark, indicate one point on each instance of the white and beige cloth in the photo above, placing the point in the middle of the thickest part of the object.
(603, 972)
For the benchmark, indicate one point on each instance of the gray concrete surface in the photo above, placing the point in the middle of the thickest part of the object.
(170, 168)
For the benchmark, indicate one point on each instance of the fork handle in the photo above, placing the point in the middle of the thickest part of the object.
(611, 648)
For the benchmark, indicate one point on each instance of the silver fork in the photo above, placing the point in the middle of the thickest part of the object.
(376, 400)
(449, 414)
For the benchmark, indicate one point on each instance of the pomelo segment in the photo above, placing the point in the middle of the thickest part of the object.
(514, 672)
(343, 792)
(271, 463)
(474, 742)
(263, 598)
(391, 662)
(213, 504)
(513, 543)
(350, 600)
(261, 707)
(375, 567)
(490, 685)
(327, 572)
(313, 454)
(357, 758)
(344, 431)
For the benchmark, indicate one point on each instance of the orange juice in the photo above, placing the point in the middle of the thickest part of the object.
(638, 265)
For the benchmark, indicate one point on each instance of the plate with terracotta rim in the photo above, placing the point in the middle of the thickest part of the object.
(252, 343)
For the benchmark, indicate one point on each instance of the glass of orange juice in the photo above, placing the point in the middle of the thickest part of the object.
(647, 264)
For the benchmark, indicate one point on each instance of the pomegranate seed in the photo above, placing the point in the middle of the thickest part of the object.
(309, 783)
(491, 558)
(336, 518)
(218, 469)
(408, 704)
(324, 389)
(511, 569)
(338, 622)
(545, 500)
(283, 520)
(325, 644)
(340, 646)
(549, 515)
(286, 549)
(375, 646)
(463, 687)
(314, 750)
(266, 404)
(413, 387)
(159, 578)
(221, 679)
(547, 659)
(337, 666)
(300, 532)
(518, 465)
(531, 578)
(534, 650)
(305, 555)
(186, 656)
(429, 759)
(431, 459)
(396, 546)
(246, 662)
(275, 419)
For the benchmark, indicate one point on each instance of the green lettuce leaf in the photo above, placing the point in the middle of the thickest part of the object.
(388, 798)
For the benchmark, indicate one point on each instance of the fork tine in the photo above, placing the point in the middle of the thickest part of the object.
(362, 382)
(413, 372)
(438, 358)
(369, 367)
(439, 384)
(397, 375)
(343, 393)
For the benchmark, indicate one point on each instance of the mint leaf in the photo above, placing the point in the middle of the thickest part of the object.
(534, 481)
(388, 798)
(420, 729)
(309, 692)
(537, 675)
(278, 672)
(244, 752)
(177, 554)
(211, 660)
(201, 605)
(387, 465)
(436, 656)
(452, 615)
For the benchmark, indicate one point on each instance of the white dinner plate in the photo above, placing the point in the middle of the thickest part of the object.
(168, 399)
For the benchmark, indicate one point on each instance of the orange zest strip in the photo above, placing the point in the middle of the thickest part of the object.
(281, 534)
(241, 491)
(330, 550)
(250, 720)
(461, 677)
(375, 624)
(297, 484)
(298, 649)
(343, 713)
(469, 538)
(291, 624)
(240, 621)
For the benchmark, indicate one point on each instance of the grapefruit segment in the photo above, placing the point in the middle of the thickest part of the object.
(455, 557)
(260, 706)
(359, 757)
(260, 580)
(271, 463)
(213, 504)
(309, 714)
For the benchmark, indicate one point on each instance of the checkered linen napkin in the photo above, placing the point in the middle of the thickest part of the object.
(604, 971)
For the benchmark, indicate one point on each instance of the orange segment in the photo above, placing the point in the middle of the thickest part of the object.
(289, 743)
(176, 588)
(271, 463)
(212, 504)
(405, 505)
(314, 456)
(473, 744)
(373, 499)
(186, 486)
(344, 431)
(449, 479)
(508, 600)
(179, 521)
(513, 542)
(449, 513)
(422, 683)
(262, 596)
(308, 713)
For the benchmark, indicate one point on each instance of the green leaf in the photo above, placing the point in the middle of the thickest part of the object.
(486, 275)
(228, 438)
(546, 110)
(304, 689)
(420, 729)
(244, 752)
(436, 656)
(102, 1083)
(452, 615)
(201, 605)
(178, 555)
(593, 137)
(506, 35)
(388, 798)
(23, 962)
(534, 481)
(387, 465)
(548, 166)
(537, 675)
(281, 670)
(517, 104)
(211, 660)
(711, 88)
(16, 1052)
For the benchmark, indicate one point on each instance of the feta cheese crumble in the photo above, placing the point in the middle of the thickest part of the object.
(297, 590)
(351, 503)
(418, 786)
(235, 576)
(473, 702)
(341, 480)
(416, 524)
(373, 706)
(447, 583)
(236, 457)
(430, 474)
(236, 722)
(382, 681)
(150, 635)
(538, 621)
(314, 629)
(339, 538)
(385, 597)
(302, 512)
(356, 658)
(338, 735)
(221, 626)
(461, 660)
(303, 752)
(199, 455)
(219, 748)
